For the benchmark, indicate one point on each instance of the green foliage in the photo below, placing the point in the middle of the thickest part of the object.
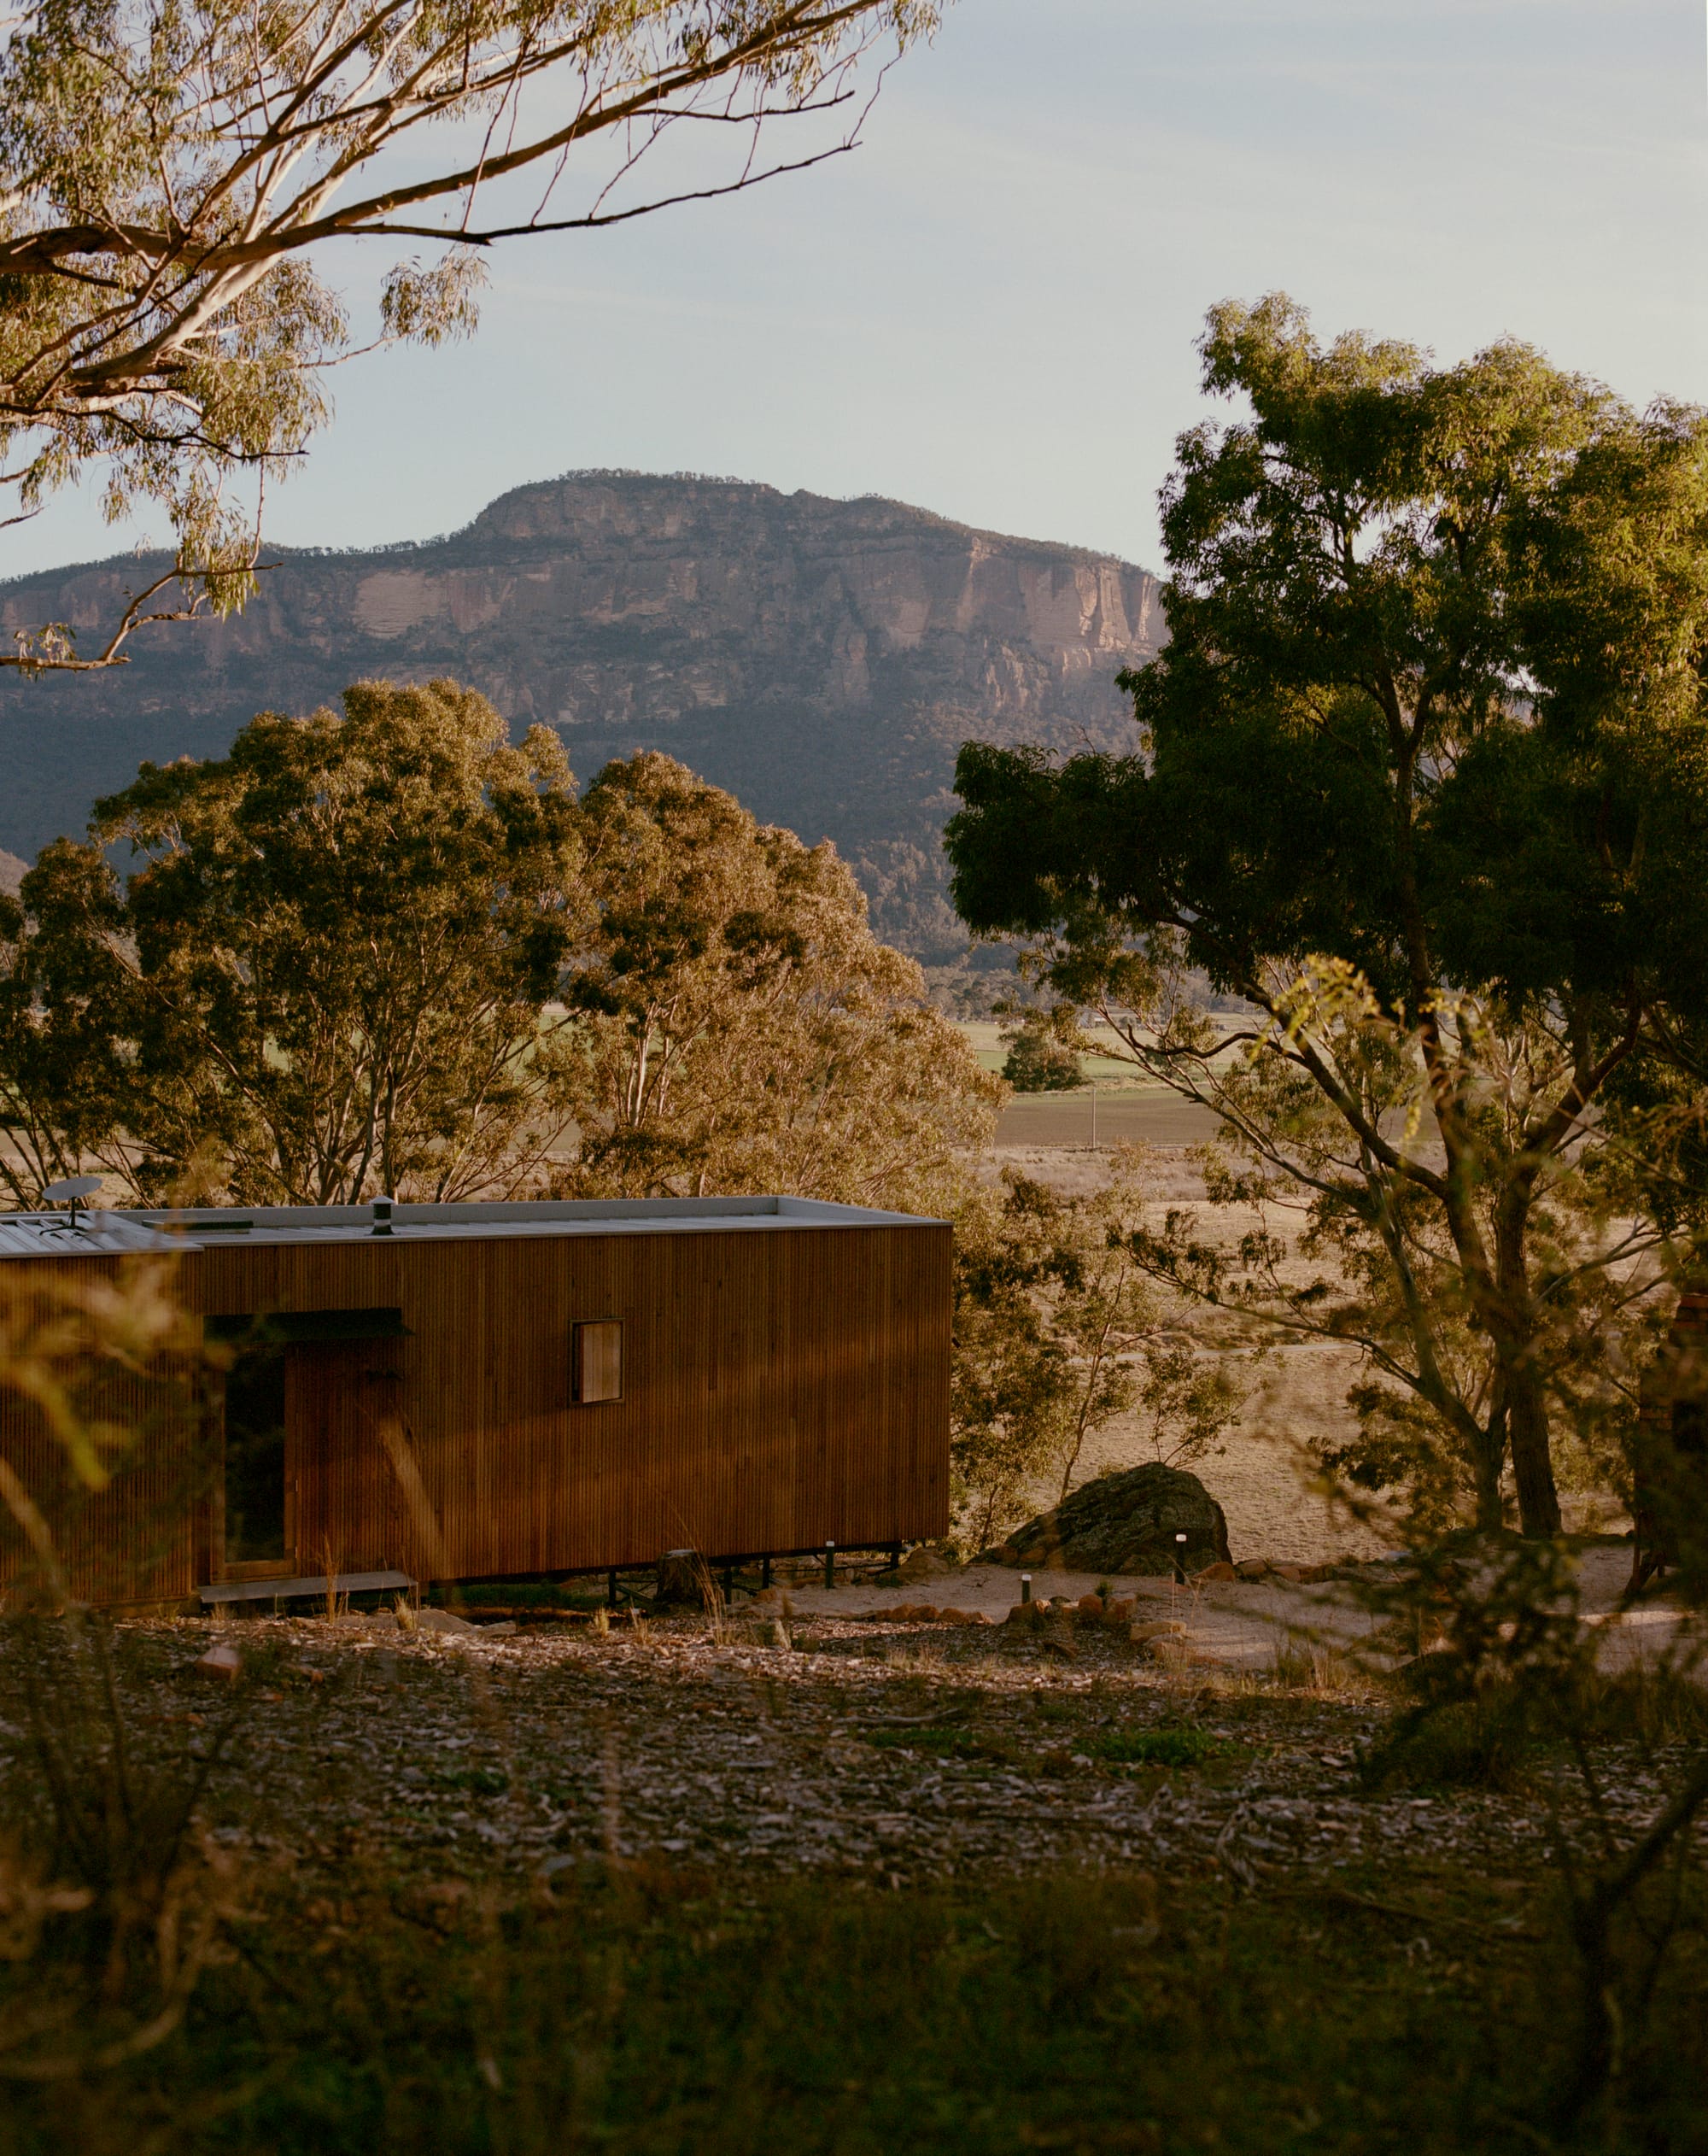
(1056, 1333)
(1038, 1062)
(168, 171)
(64, 984)
(326, 977)
(737, 1027)
(1505, 1686)
(1186, 1746)
(390, 952)
(1421, 777)
(1096, 2009)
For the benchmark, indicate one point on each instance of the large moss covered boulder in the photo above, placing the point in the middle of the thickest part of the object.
(1126, 1522)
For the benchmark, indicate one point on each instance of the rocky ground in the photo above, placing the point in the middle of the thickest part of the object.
(878, 1743)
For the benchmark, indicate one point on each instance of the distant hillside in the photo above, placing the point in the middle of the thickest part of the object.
(823, 659)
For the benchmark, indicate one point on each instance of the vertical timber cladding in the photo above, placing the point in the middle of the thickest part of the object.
(780, 1387)
(145, 1536)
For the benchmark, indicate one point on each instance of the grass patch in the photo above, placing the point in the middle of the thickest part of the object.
(1173, 1746)
(663, 2013)
(941, 1743)
(479, 1781)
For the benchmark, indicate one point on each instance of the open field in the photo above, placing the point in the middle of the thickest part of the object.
(1260, 1470)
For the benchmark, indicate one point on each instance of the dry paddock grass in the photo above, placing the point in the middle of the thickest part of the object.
(1260, 1472)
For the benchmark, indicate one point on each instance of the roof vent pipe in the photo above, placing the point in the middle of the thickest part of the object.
(382, 1213)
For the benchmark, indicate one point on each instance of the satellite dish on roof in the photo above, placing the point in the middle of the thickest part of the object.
(74, 1187)
(70, 1190)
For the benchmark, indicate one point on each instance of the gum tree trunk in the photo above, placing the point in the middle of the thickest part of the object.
(1516, 1328)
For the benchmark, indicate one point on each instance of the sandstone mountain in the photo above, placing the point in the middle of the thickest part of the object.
(822, 659)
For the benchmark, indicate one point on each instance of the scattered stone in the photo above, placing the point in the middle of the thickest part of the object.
(498, 1631)
(441, 1620)
(1250, 1568)
(1142, 1635)
(925, 1613)
(222, 1662)
(1212, 1572)
(1126, 1523)
(924, 1563)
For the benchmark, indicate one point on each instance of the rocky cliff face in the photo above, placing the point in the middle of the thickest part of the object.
(823, 659)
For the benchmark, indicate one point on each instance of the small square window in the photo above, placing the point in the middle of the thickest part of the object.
(596, 1361)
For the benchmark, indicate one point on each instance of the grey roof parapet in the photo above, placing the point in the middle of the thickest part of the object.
(141, 1230)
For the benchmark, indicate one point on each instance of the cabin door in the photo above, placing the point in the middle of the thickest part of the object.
(346, 1500)
(257, 1524)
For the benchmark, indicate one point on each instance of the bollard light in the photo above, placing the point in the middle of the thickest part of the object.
(830, 1564)
(1025, 1586)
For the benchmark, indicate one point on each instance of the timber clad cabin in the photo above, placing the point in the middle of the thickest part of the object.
(469, 1391)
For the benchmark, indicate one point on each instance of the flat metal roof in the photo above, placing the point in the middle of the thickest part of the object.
(54, 1234)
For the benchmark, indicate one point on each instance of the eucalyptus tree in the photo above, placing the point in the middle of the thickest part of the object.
(736, 1024)
(328, 974)
(175, 181)
(1422, 778)
(1059, 1335)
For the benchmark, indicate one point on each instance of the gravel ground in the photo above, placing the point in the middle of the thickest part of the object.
(893, 1748)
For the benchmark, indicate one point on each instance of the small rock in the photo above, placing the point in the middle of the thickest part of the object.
(1218, 1571)
(221, 1661)
(1090, 1609)
(441, 1620)
(924, 1563)
(1252, 1568)
(496, 1632)
(1141, 1635)
(951, 1616)
(1120, 1612)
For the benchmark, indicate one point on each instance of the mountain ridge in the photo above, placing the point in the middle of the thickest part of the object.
(822, 658)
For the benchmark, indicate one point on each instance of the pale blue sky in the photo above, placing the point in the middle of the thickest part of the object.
(989, 310)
